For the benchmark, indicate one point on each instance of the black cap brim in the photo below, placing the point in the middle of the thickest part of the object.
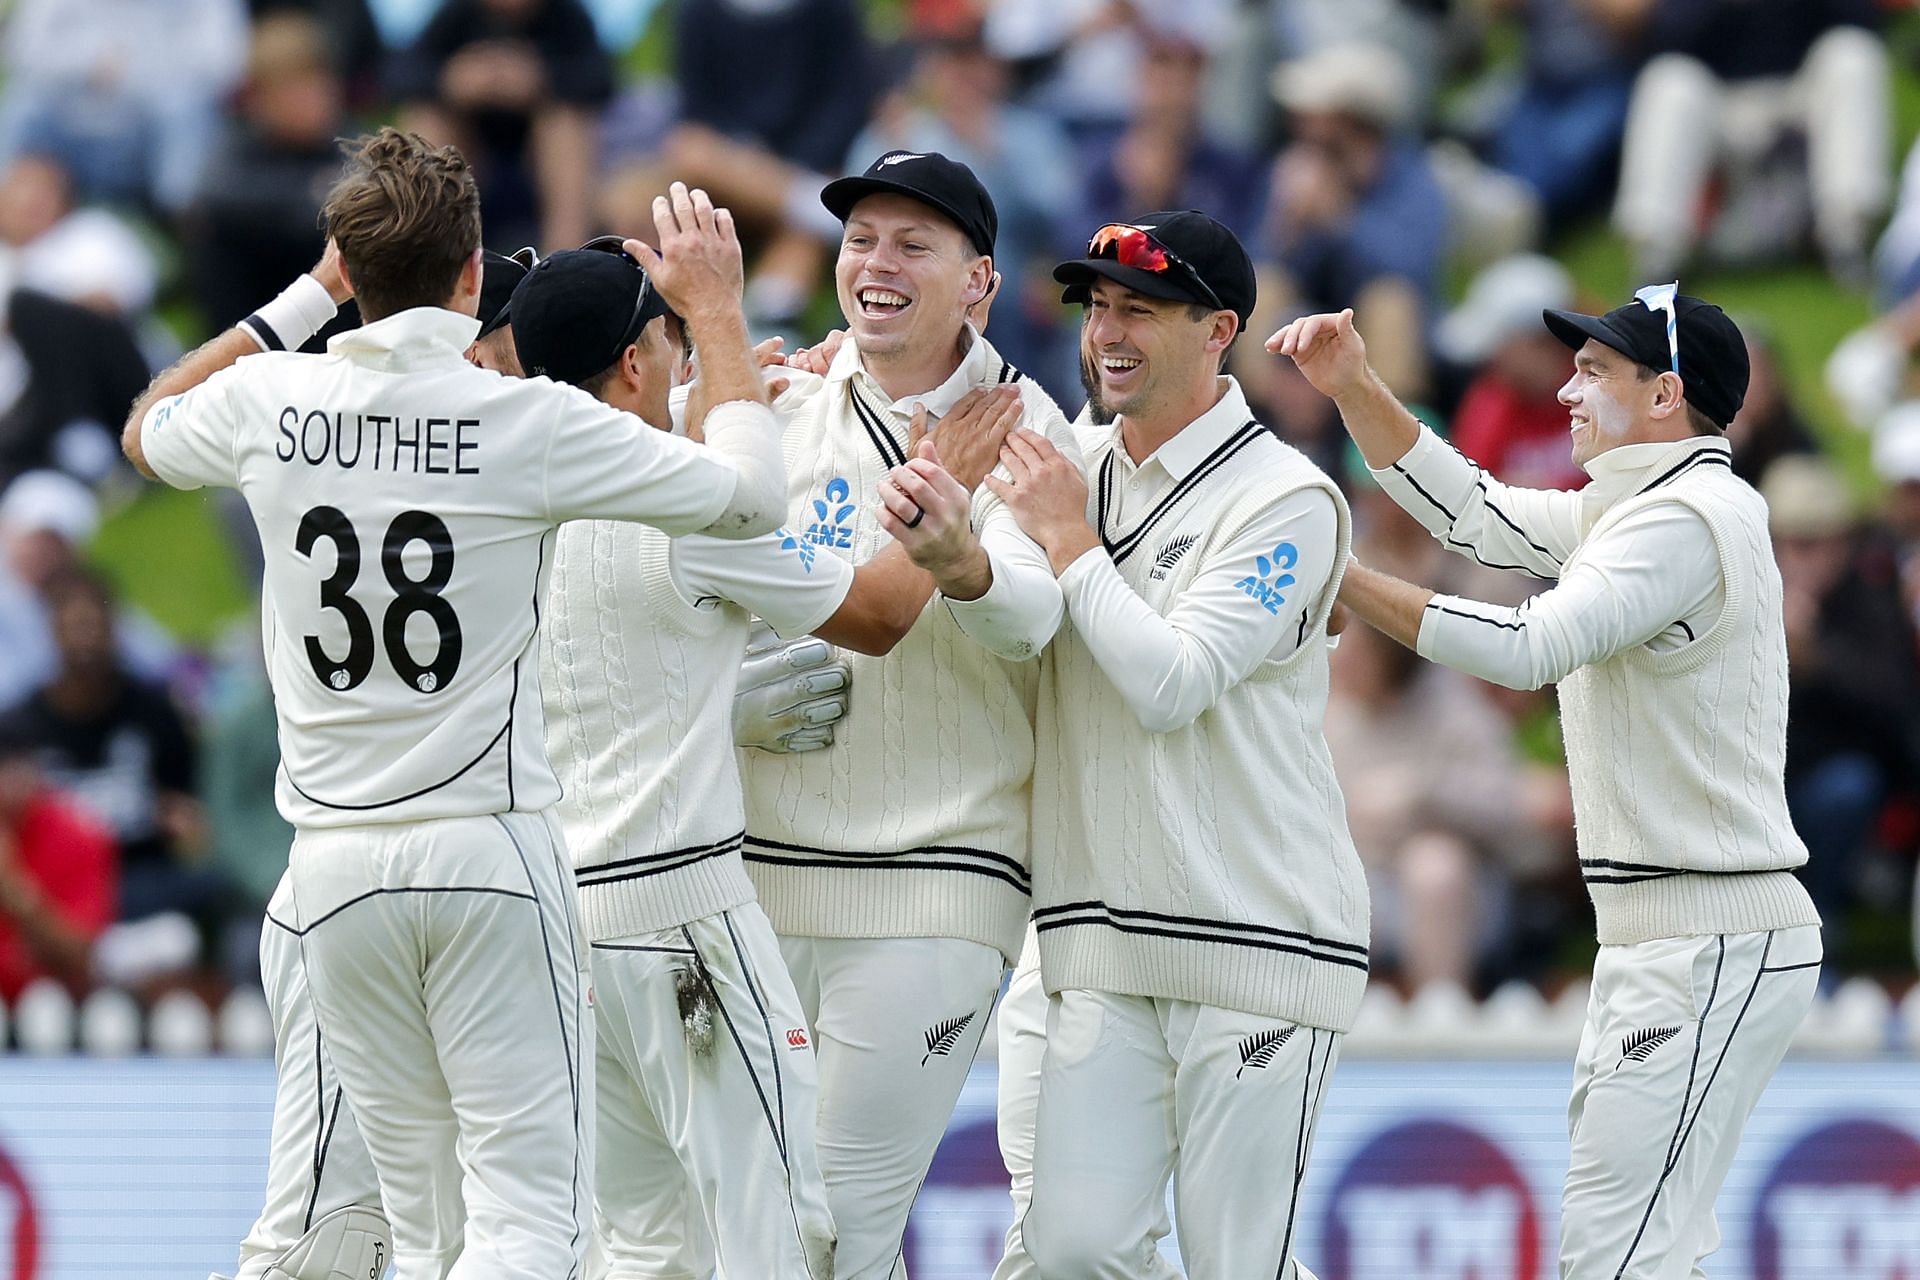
(1573, 328)
(1078, 278)
(498, 320)
(840, 195)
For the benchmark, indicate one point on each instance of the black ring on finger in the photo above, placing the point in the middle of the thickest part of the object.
(919, 514)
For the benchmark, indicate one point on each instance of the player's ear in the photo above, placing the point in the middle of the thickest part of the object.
(980, 280)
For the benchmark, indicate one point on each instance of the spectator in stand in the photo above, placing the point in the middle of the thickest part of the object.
(1440, 807)
(1088, 56)
(45, 517)
(1510, 419)
(518, 86)
(118, 746)
(86, 256)
(1164, 159)
(1356, 216)
(1562, 132)
(125, 92)
(353, 36)
(56, 878)
(772, 94)
(68, 375)
(1768, 426)
(1731, 79)
(956, 104)
(253, 225)
(1853, 716)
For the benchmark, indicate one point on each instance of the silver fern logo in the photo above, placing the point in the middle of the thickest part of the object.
(943, 1036)
(1170, 555)
(1258, 1051)
(1639, 1046)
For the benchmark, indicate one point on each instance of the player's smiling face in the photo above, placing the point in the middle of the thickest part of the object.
(1606, 401)
(1141, 347)
(905, 276)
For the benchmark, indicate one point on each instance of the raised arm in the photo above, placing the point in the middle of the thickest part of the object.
(698, 271)
(282, 325)
(1501, 526)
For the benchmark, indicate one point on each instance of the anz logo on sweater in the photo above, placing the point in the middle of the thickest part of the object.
(1268, 587)
(805, 551)
(833, 517)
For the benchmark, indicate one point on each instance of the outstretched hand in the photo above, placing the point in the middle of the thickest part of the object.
(1328, 350)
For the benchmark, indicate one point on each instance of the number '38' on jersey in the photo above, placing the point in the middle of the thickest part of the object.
(405, 502)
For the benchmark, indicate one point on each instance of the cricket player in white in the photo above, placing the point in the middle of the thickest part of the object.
(706, 1076)
(1201, 913)
(429, 887)
(894, 867)
(321, 1214)
(1664, 630)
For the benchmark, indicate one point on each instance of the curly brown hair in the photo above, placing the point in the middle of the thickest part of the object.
(406, 215)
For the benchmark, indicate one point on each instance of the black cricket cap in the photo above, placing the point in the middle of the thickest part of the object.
(1713, 355)
(499, 274)
(578, 310)
(947, 186)
(1213, 255)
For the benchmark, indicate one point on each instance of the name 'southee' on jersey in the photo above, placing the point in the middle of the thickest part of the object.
(383, 442)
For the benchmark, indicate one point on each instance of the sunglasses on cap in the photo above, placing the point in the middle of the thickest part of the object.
(616, 245)
(1660, 297)
(1136, 247)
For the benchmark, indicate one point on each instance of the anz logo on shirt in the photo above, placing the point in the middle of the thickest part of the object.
(1270, 585)
(806, 551)
(833, 517)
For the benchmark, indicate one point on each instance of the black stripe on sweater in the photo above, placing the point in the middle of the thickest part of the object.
(655, 863)
(1126, 544)
(1706, 457)
(891, 454)
(1192, 929)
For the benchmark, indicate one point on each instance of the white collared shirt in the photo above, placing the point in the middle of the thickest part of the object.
(1170, 668)
(405, 502)
(1652, 578)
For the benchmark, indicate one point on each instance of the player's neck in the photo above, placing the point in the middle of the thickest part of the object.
(913, 372)
(1145, 432)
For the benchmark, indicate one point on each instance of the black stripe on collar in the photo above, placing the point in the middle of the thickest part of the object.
(1704, 458)
(891, 454)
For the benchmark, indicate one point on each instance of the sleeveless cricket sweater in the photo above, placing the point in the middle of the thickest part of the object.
(915, 822)
(1677, 759)
(1211, 863)
(639, 688)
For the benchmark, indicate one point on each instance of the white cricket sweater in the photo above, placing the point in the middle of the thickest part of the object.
(1677, 759)
(639, 666)
(1666, 634)
(915, 822)
(1208, 861)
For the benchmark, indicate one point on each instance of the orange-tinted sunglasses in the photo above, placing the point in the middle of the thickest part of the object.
(1136, 247)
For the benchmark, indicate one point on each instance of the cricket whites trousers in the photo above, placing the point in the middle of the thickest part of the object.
(1136, 1090)
(316, 1163)
(1682, 1036)
(708, 1088)
(896, 1023)
(448, 977)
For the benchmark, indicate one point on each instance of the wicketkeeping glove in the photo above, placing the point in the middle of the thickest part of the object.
(791, 692)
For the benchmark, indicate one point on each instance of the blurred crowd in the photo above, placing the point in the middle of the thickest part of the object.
(162, 163)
